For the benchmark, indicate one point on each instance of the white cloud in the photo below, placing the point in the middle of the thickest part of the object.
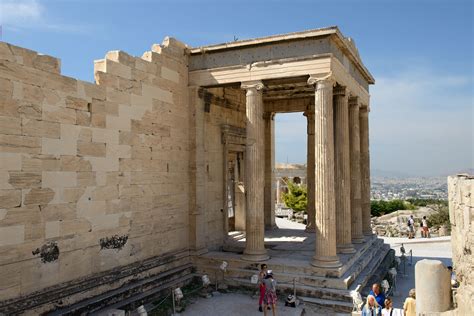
(19, 15)
(16, 13)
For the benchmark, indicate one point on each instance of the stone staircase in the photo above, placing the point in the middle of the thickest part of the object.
(326, 291)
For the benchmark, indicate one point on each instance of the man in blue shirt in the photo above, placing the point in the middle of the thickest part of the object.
(379, 295)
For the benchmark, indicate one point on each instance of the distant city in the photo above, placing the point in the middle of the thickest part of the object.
(387, 188)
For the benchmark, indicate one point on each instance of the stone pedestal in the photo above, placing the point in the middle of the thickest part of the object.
(310, 171)
(365, 170)
(354, 144)
(325, 219)
(254, 173)
(269, 203)
(433, 286)
(342, 171)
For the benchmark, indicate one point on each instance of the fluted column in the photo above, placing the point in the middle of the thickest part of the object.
(365, 170)
(269, 204)
(356, 211)
(325, 219)
(342, 171)
(310, 172)
(254, 173)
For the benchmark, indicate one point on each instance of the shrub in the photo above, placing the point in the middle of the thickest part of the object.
(296, 198)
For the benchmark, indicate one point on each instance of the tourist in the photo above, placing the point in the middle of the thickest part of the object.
(270, 297)
(388, 309)
(371, 308)
(379, 295)
(425, 232)
(409, 307)
(411, 227)
(261, 285)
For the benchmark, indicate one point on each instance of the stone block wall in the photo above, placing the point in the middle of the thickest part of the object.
(461, 214)
(92, 176)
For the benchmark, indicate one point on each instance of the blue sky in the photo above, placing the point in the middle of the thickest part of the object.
(420, 53)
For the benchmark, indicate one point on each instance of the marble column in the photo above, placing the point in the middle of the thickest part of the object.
(269, 203)
(356, 211)
(325, 220)
(342, 171)
(254, 173)
(310, 172)
(365, 170)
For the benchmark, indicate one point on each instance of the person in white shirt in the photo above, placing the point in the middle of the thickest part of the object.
(388, 310)
(425, 232)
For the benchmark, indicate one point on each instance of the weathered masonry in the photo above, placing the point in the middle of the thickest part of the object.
(134, 183)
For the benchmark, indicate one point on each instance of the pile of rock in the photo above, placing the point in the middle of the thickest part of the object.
(395, 224)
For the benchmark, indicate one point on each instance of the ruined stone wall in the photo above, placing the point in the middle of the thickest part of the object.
(92, 176)
(461, 214)
(232, 114)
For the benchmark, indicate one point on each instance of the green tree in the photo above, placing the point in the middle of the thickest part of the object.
(381, 207)
(296, 198)
(440, 217)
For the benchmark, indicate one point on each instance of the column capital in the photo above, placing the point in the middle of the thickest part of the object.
(268, 115)
(363, 110)
(252, 85)
(353, 101)
(309, 113)
(339, 90)
(321, 81)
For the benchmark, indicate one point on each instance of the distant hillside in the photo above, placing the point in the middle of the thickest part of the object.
(377, 173)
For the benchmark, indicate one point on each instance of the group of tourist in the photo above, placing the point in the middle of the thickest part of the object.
(378, 305)
(267, 287)
(425, 231)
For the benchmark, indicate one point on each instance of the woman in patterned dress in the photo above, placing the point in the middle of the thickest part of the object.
(270, 297)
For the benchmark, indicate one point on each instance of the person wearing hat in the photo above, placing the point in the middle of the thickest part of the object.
(270, 297)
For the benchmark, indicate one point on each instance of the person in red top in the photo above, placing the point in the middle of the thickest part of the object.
(261, 277)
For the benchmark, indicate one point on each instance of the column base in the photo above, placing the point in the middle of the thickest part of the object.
(358, 240)
(256, 256)
(199, 251)
(326, 262)
(271, 227)
(346, 248)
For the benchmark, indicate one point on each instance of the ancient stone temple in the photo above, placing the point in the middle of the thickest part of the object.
(114, 191)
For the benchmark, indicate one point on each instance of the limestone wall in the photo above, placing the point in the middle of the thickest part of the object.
(92, 176)
(461, 213)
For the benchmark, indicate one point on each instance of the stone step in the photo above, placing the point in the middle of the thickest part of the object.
(302, 273)
(280, 276)
(301, 290)
(369, 269)
(150, 285)
(336, 306)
